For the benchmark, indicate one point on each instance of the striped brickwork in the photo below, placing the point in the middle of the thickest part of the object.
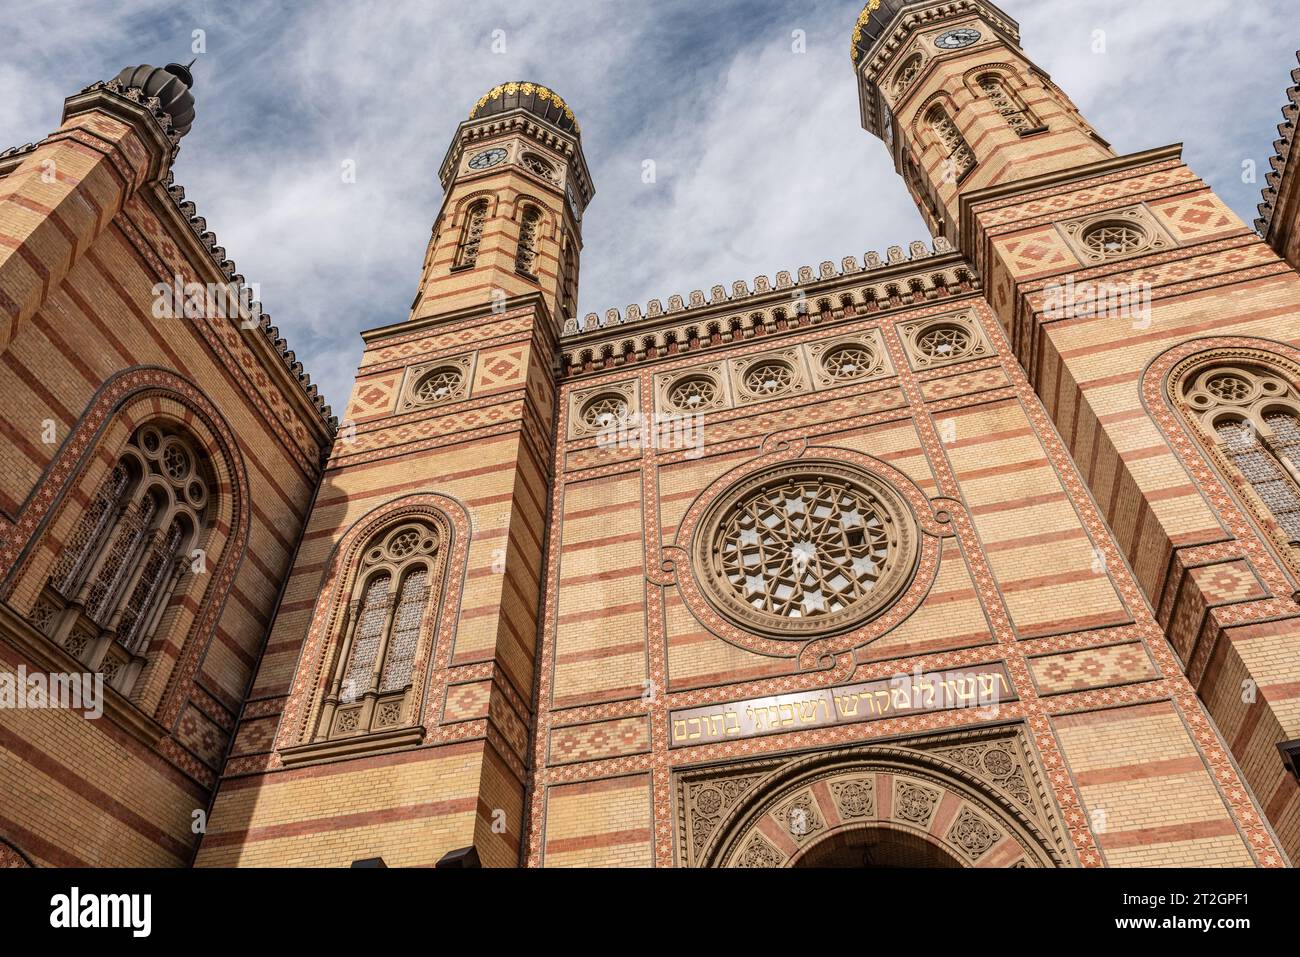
(86, 231)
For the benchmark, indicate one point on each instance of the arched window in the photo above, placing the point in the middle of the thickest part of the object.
(116, 573)
(907, 73)
(471, 234)
(951, 138)
(371, 680)
(1013, 109)
(529, 226)
(1249, 416)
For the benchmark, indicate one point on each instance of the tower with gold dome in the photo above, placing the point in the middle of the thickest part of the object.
(407, 633)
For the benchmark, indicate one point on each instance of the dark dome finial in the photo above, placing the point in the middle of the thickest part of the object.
(171, 84)
(539, 100)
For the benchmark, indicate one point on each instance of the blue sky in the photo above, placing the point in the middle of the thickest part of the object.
(761, 164)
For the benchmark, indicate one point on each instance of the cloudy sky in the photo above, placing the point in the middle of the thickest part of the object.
(761, 164)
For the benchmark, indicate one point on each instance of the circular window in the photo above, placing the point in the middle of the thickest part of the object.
(945, 341)
(693, 393)
(851, 361)
(151, 440)
(1110, 239)
(604, 411)
(809, 547)
(769, 378)
(196, 493)
(176, 462)
(1228, 387)
(438, 385)
(535, 164)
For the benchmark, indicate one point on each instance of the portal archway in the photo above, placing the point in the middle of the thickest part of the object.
(876, 806)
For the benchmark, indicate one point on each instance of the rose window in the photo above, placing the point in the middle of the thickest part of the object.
(438, 385)
(817, 549)
(176, 462)
(849, 362)
(944, 342)
(604, 411)
(535, 164)
(769, 378)
(1230, 388)
(693, 393)
(1114, 239)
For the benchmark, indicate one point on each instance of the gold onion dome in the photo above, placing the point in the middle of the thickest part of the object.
(869, 27)
(533, 97)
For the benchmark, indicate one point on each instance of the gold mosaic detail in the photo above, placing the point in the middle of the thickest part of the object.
(545, 94)
(871, 7)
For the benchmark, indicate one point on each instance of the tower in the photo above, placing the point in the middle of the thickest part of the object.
(1158, 330)
(406, 635)
(958, 104)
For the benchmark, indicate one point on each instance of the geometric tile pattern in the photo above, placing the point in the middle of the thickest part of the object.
(1228, 582)
(588, 742)
(1091, 668)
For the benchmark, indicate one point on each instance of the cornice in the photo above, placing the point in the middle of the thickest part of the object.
(536, 300)
(1278, 185)
(696, 307)
(967, 202)
(180, 217)
(895, 287)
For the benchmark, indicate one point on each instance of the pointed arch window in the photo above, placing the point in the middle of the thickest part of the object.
(529, 227)
(471, 235)
(115, 575)
(1008, 103)
(1249, 416)
(370, 686)
(952, 140)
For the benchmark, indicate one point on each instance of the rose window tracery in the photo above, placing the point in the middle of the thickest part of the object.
(806, 549)
(604, 411)
(769, 378)
(1110, 239)
(693, 393)
(945, 341)
(849, 362)
(438, 385)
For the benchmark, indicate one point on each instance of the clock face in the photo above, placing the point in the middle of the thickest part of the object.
(487, 158)
(956, 39)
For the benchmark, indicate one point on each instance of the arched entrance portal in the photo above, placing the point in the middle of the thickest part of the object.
(873, 806)
(879, 846)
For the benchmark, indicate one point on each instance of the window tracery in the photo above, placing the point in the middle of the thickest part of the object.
(114, 578)
(529, 226)
(1249, 416)
(1018, 115)
(370, 685)
(471, 235)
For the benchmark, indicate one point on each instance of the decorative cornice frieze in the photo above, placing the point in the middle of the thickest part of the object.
(1282, 154)
(898, 281)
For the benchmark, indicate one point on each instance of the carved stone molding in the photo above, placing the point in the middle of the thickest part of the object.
(975, 798)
